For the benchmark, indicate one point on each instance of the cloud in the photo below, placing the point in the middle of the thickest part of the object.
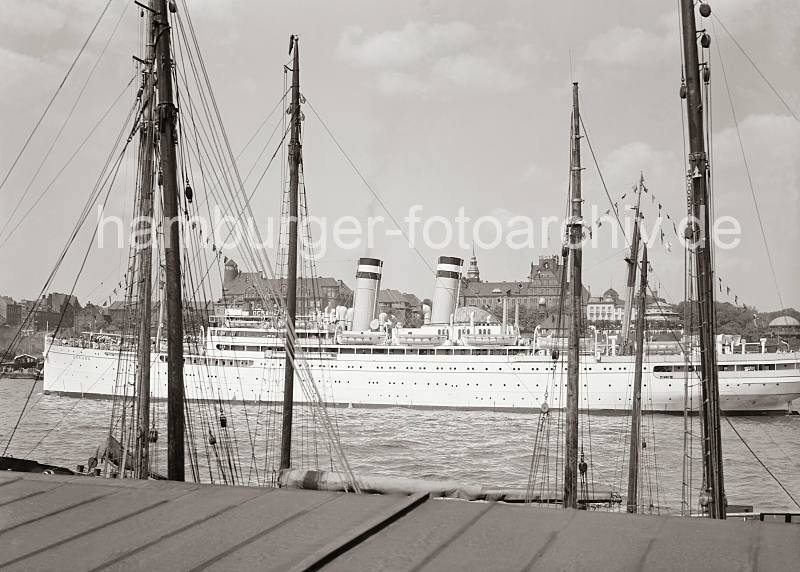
(400, 83)
(477, 72)
(626, 45)
(32, 17)
(406, 46)
(770, 143)
(16, 68)
(621, 167)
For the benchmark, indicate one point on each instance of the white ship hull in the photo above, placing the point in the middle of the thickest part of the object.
(752, 383)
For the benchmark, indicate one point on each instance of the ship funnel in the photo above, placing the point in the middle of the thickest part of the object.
(445, 293)
(365, 297)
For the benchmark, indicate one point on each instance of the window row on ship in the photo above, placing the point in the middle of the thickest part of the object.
(384, 350)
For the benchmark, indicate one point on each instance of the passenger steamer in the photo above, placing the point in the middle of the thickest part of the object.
(362, 361)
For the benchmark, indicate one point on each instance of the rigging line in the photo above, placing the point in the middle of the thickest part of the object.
(369, 187)
(244, 253)
(261, 126)
(68, 162)
(55, 95)
(206, 81)
(81, 219)
(72, 291)
(760, 462)
(65, 122)
(616, 213)
(749, 59)
(602, 180)
(749, 178)
(214, 139)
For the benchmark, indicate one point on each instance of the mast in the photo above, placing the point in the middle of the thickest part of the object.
(291, 274)
(636, 414)
(145, 256)
(575, 263)
(714, 494)
(631, 260)
(167, 118)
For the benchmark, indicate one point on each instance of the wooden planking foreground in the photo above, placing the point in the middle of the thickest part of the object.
(85, 523)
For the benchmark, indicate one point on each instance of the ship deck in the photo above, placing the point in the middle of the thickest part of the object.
(85, 523)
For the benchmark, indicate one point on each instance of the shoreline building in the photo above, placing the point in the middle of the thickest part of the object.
(539, 291)
(249, 289)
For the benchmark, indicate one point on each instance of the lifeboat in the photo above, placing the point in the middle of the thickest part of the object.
(489, 340)
(420, 339)
(361, 338)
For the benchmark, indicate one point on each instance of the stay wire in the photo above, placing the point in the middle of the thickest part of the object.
(749, 178)
(65, 122)
(55, 95)
(760, 462)
(755, 66)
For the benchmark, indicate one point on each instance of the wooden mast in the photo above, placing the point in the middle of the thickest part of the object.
(145, 255)
(168, 139)
(713, 496)
(631, 260)
(575, 263)
(636, 414)
(295, 158)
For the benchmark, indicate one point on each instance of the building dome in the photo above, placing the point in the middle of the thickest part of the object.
(611, 293)
(464, 313)
(784, 321)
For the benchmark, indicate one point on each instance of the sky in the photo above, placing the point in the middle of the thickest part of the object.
(440, 103)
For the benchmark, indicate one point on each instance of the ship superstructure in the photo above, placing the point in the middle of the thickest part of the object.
(361, 359)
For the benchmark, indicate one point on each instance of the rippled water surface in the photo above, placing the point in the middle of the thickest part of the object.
(488, 448)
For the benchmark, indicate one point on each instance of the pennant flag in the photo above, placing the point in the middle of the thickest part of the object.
(608, 211)
(599, 224)
(623, 196)
(668, 217)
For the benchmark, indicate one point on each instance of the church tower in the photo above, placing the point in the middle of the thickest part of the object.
(473, 274)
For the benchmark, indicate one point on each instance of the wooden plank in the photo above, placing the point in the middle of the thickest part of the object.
(207, 540)
(8, 477)
(606, 541)
(408, 542)
(692, 544)
(48, 503)
(288, 544)
(120, 539)
(354, 537)
(28, 539)
(505, 538)
(778, 547)
(22, 488)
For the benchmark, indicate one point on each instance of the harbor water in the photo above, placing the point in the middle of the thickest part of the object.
(480, 447)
